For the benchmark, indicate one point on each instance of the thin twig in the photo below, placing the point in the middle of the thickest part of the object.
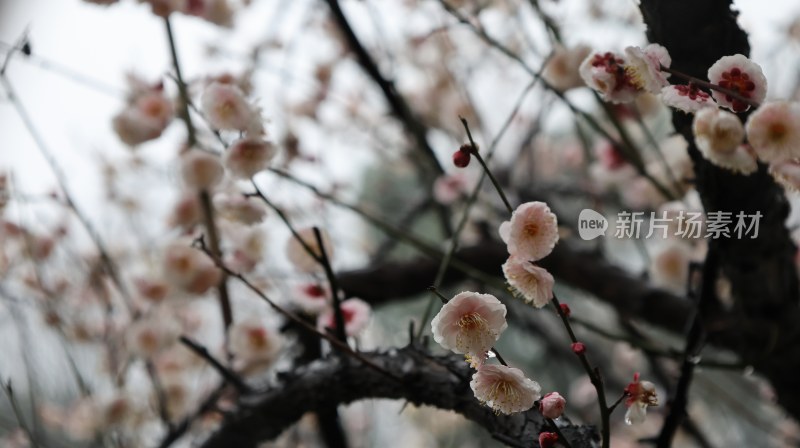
(337, 302)
(226, 373)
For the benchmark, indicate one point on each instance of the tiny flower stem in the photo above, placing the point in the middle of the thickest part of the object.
(161, 397)
(708, 85)
(227, 374)
(594, 377)
(485, 167)
(337, 303)
(616, 403)
(562, 439)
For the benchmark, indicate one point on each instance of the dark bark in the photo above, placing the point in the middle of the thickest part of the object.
(440, 381)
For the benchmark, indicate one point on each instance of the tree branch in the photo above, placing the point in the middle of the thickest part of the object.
(441, 381)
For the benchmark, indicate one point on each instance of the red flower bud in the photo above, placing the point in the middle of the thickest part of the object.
(565, 309)
(461, 158)
(579, 348)
(548, 439)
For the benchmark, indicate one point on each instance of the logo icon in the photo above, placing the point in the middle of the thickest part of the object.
(591, 224)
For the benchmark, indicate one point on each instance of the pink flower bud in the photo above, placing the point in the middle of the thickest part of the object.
(552, 405)
(565, 309)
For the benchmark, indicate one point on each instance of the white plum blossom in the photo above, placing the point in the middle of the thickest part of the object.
(241, 209)
(773, 131)
(640, 396)
(533, 283)
(253, 343)
(741, 75)
(532, 232)
(470, 323)
(719, 135)
(669, 267)
(248, 156)
(561, 71)
(149, 335)
(606, 74)
(504, 389)
(146, 115)
(201, 170)
(686, 97)
(643, 67)
(190, 269)
(786, 173)
(226, 108)
(312, 298)
(356, 314)
(298, 254)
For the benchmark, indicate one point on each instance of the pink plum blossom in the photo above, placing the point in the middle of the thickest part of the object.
(186, 213)
(190, 269)
(504, 389)
(356, 314)
(147, 336)
(552, 405)
(470, 323)
(533, 283)
(741, 75)
(773, 131)
(686, 97)
(532, 232)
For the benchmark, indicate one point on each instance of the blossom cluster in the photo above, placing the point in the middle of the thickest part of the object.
(471, 323)
(770, 134)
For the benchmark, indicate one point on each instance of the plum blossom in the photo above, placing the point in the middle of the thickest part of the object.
(226, 108)
(552, 405)
(149, 335)
(670, 266)
(719, 135)
(356, 314)
(773, 130)
(241, 209)
(253, 344)
(640, 396)
(561, 71)
(146, 115)
(449, 187)
(532, 232)
(643, 67)
(298, 254)
(312, 298)
(606, 74)
(504, 389)
(741, 75)
(470, 323)
(786, 173)
(201, 170)
(686, 97)
(190, 269)
(186, 213)
(248, 156)
(548, 439)
(533, 283)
